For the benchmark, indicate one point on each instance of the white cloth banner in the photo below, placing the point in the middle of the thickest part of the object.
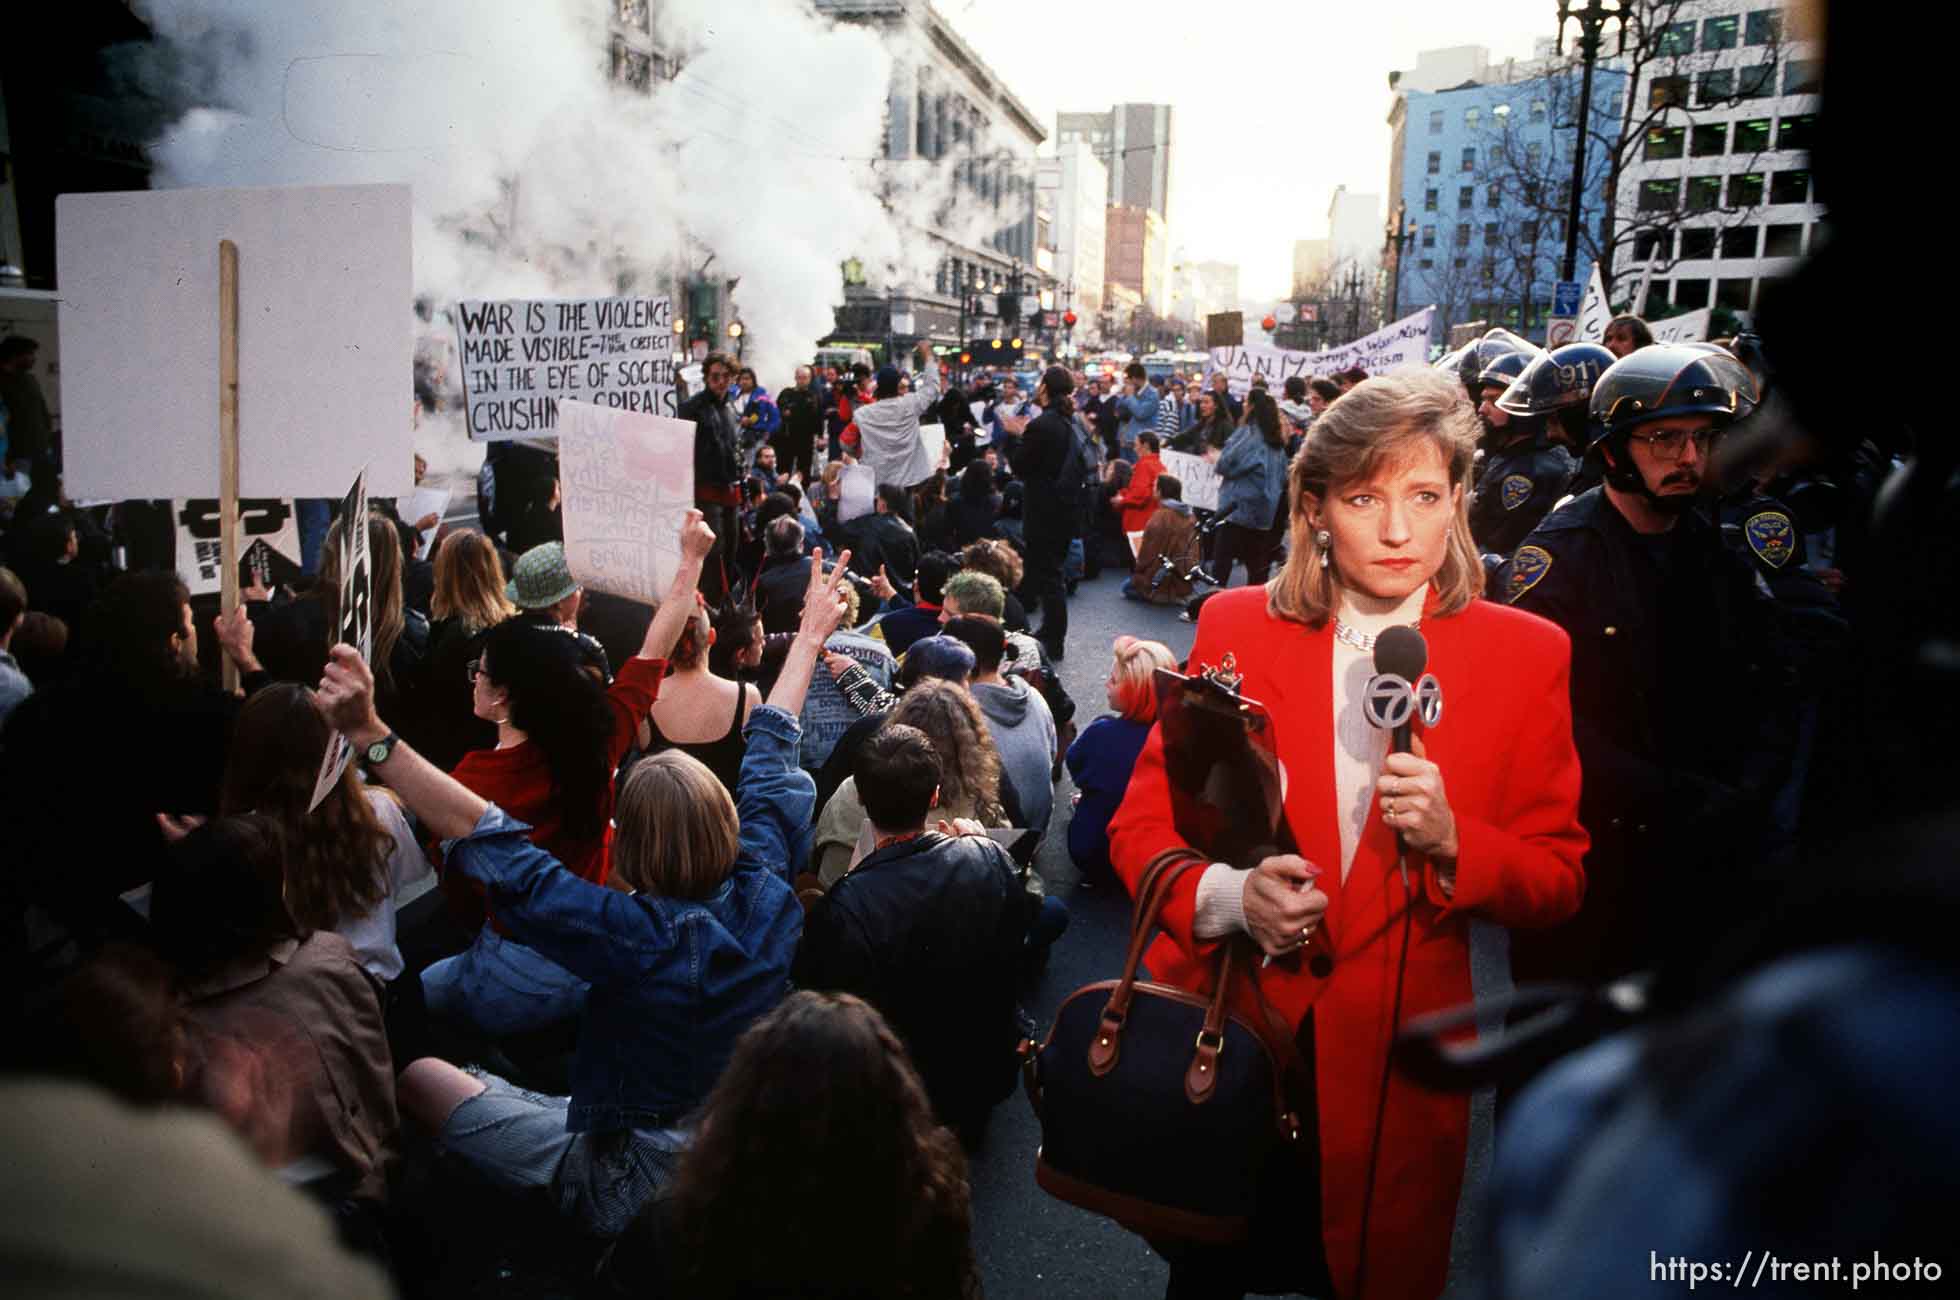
(1594, 311)
(520, 359)
(1199, 479)
(1690, 327)
(627, 479)
(1405, 342)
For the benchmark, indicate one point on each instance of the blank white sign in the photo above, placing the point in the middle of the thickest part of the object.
(325, 348)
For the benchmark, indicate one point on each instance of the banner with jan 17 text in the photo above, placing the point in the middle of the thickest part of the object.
(1404, 342)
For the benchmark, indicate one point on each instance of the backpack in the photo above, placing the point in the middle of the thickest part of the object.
(1075, 481)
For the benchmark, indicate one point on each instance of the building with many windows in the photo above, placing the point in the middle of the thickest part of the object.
(1723, 172)
(1135, 141)
(1073, 185)
(1483, 166)
(1136, 256)
(948, 106)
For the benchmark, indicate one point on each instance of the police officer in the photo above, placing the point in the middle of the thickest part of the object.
(1472, 360)
(1524, 470)
(1677, 651)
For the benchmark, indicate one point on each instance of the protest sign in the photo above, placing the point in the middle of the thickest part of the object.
(1406, 342)
(425, 501)
(1689, 327)
(355, 624)
(268, 537)
(827, 712)
(1200, 480)
(1595, 311)
(324, 340)
(627, 479)
(934, 438)
(979, 410)
(859, 488)
(521, 358)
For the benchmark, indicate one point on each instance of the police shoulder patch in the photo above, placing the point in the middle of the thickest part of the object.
(1514, 491)
(1528, 567)
(1771, 536)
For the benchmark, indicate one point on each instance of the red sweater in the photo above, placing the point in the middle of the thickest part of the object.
(1138, 501)
(517, 781)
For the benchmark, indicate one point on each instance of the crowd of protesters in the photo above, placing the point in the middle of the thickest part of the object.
(547, 931)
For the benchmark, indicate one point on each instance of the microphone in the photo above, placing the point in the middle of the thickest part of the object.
(1400, 656)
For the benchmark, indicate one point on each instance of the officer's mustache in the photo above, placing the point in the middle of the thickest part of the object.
(1685, 477)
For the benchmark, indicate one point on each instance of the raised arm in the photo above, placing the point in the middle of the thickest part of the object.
(697, 542)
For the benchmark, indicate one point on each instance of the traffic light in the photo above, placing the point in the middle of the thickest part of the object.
(995, 352)
(1180, 342)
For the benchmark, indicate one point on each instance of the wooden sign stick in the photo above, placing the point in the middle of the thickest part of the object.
(228, 439)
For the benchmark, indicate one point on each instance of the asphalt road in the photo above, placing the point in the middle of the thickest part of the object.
(1029, 1243)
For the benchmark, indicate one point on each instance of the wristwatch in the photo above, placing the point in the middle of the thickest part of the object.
(377, 753)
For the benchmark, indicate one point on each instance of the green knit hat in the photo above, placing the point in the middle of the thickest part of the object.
(541, 578)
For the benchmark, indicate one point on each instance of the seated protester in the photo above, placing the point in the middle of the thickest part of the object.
(542, 588)
(699, 713)
(1138, 499)
(1018, 718)
(1102, 757)
(763, 470)
(783, 577)
(40, 648)
(977, 594)
(828, 713)
(1171, 534)
(938, 657)
(1003, 564)
(352, 862)
(1010, 525)
(469, 600)
(288, 1042)
(900, 627)
(822, 1129)
(689, 948)
(884, 538)
(14, 684)
(291, 639)
(805, 512)
(929, 929)
(976, 506)
(560, 736)
(970, 784)
(138, 689)
(735, 650)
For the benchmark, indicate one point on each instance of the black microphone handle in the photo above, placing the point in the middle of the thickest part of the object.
(1399, 739)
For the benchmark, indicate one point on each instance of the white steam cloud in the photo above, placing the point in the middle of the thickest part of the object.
(535, 174)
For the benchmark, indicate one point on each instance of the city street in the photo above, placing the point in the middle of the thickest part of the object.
(1028, 1242)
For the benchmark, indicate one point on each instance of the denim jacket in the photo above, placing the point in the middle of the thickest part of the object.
(1252, 479)
(674, 982)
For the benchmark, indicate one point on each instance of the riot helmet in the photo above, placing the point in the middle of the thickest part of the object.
(1505, 369)
(1483, 351)
(1557, 379)
(1658, 383)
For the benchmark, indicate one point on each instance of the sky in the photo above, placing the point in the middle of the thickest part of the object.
(1275, 101)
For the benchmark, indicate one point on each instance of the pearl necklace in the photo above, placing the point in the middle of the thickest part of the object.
(1359, 640)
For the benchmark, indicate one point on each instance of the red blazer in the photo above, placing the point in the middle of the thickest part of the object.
(1511, 774)
(1139, 499)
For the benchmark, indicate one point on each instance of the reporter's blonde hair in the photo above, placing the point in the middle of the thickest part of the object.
(1380, 421)
(678, 833)
(1137, 662)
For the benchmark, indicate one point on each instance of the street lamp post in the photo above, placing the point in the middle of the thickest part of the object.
(1401, 233)
(1354, 303)
(736, 332)
(1592, 17)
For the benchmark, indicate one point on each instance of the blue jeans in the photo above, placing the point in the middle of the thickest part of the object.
(1047, 925)
(502, 987)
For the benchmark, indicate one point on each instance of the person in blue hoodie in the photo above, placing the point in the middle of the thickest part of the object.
(1251, 484)
(1100, 760)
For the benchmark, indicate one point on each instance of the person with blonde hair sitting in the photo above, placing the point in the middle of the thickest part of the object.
(1101, 759)
(687, 946)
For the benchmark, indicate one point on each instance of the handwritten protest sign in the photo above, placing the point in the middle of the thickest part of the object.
(859, 488)
(1405, 342)
(627, 479)
(422, 502)
(1200, 480)
(355, 624)
(934, 438)
(268, 538)
(521, 358)
(325, 293)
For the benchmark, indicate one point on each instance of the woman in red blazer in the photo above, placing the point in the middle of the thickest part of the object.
(1487, 806)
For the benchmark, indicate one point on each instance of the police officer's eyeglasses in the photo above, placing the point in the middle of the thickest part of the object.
(1670, 445)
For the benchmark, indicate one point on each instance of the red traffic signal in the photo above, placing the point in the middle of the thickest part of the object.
(1068, 319)
(966, 358)
(1268, 323)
